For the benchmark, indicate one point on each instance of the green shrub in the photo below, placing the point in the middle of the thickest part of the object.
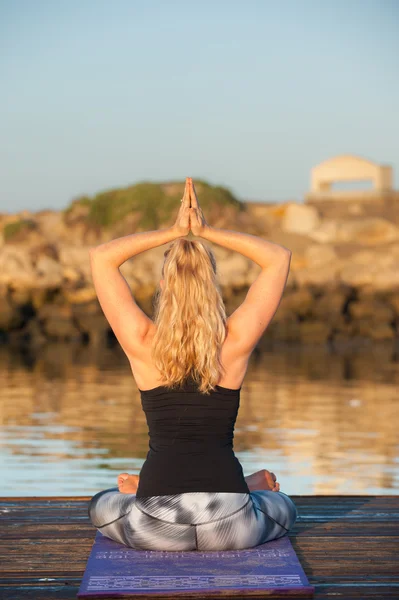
(81, 200)
(17, 227)
(151, 200)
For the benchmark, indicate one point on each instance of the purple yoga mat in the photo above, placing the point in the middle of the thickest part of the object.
(270, 570)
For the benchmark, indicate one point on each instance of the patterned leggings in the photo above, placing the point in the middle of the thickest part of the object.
(193, 520)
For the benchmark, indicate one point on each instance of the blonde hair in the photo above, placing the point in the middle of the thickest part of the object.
(190, 317)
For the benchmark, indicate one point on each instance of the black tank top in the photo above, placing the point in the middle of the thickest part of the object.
(191, 441)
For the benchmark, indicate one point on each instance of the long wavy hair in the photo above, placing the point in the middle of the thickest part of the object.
(190, 317)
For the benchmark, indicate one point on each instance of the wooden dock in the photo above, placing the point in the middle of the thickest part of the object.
(348, 546)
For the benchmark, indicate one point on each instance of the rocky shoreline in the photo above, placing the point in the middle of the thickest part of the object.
(343, 284)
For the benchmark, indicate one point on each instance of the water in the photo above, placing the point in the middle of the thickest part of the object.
(71, 421)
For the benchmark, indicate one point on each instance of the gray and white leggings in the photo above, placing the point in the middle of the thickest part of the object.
(193, 520)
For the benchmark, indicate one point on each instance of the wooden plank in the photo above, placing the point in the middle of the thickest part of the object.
(57, 514)
(68, 592)
(327, 558)
(84, 529)
(20, 579)
(328, 501)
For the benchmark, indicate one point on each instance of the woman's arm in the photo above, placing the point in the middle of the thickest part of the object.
(117, 251)
(261, 251)
(129, 323)
(249, 321)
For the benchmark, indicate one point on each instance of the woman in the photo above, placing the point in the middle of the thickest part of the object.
(189, 365)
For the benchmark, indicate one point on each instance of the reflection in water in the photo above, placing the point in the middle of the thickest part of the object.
(71, 420)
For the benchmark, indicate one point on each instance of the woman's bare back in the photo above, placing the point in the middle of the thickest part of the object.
(234, 361)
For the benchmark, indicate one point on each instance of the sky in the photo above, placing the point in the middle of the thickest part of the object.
(247, 94)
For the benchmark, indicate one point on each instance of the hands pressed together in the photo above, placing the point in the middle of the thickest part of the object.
(190, 216)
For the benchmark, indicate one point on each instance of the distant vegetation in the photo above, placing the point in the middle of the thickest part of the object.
(11, 230)
(156, 202)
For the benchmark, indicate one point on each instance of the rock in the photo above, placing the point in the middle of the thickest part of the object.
(45, 249)
(235, 271)
(323, 275)
(80, 295)
(54, 311)
(144, 297)
(319, 254)
(71, 275)
(144, 269)
(291, 284)
(371, 309)
(56, 321)
(298, 303)
(326, 232)
(393, 301)
(356, 276)
(20, 296)
(47, 261)
(296, 242)
(299, 218)
(394, 251)
(233, 298)
(23, 232)
(370, 329)
(10, 316)
(49, 272)
(52, 225)
(298, 262)
(253, 272)
(382, 331)
(329, 307)
(342, 329)
(371, 231)
(387, 279)
(16, 267)
(375, 269)
(39, 297)
(372, 259)
(316, 332)
(90, 320)
(221, 253)
(76, 257)
(364, 231)
(61, 329)
(29, 335)
(139, 275)
(285, 331)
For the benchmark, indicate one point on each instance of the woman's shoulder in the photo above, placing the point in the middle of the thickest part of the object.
(147, 377)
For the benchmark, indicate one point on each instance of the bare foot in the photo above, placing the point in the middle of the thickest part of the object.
(263, 480)
(128, 484)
